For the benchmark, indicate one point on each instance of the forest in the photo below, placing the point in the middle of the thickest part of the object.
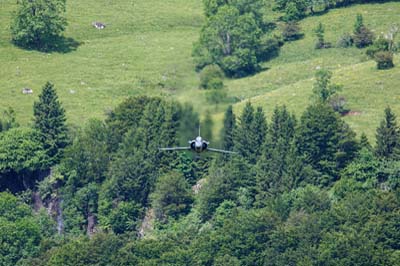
(301, 189)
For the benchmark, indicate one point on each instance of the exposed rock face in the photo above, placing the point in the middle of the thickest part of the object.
(196, 188)
(91, 224)
(147, 223)
(54, 209)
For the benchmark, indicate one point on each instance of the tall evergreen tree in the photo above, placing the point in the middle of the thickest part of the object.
(259, 128)
(228, 129)
(323, 138)
(8, 121)
(49, 120)
(244, 138)
(206, 126)
(282, 126)
(388, 136)
(273, 163)
(364, 142)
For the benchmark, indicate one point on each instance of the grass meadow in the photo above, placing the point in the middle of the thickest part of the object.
(146, 49)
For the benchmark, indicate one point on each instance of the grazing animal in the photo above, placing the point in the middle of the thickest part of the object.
(98, 25)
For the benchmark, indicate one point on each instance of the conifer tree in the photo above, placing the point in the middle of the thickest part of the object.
(272, 164)
(244, 138)
(323, 138)
(282, 126)
(364, 142)
(388, 136)
(49, 120)
(362, 35)
(206, 127)
(228, 129)
(259, 128)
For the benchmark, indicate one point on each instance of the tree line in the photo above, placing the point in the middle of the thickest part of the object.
(301, 191)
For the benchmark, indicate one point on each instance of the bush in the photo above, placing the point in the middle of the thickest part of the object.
(323, 45)
(291, 31)
(242, 63)
(211, 77)
(319, 33)
(172, 196)
(294, 11)
(338, 104)
(346, 40)
(380, 44)
(384, 59)
(216, 96)
(268, 47)
(363, 37)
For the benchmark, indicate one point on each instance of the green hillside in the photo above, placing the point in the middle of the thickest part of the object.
(146, 49)
(290, 76)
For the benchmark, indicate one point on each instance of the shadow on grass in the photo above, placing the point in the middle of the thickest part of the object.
(59, 44)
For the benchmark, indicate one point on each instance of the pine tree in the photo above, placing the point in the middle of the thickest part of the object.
(50, 120)
(359, 23)
(244, 138)
(362, 35)
(206, 127)
(364, 142)
(388, 136)
(325, 140)
(282, 126)
(259, 128)
(319, 33)
(272, 164)
(228, 129)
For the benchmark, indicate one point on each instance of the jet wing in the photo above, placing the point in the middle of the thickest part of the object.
(221, 151)
(175, 149)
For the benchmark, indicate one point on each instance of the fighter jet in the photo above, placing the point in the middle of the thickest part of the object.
(197, 145)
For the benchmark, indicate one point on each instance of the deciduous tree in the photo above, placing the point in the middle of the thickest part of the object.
(38, 23)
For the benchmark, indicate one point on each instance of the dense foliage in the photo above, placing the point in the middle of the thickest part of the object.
(236, 37)
(38, 24)
(298, 192)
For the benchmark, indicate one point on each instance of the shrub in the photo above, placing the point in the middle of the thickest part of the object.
(384, 59)
(380, 44)
(240, 64)
(211, 77)
(338, 104)
(291, 31)
(363, 37)
(319, 33)
(216, 96)
(346, 40)
(323, 45)
(268, 47)
(294, 11)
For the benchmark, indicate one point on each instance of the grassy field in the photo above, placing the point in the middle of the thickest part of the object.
(146, 49)
(289, 79)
